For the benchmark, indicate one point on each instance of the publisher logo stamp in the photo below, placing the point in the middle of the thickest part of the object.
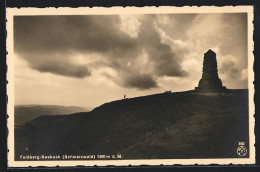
(241, 150)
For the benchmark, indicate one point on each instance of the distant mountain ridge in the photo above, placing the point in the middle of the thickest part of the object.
(168, 125)
(26, 113)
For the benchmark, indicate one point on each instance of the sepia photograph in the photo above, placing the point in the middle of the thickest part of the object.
(130, 86)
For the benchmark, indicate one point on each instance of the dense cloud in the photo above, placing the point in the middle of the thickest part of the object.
(49, 44)
(65, 69)
(230, 69)
(140, 81)
(63, 34)
(136, 50)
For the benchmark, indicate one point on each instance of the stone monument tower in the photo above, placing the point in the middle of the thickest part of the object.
(210, 82)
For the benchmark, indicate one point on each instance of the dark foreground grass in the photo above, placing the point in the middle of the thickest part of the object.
(177, 125)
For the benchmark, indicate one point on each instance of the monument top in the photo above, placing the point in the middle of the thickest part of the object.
(209, 52)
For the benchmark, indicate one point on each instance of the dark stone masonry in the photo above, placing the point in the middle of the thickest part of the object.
(210, 82)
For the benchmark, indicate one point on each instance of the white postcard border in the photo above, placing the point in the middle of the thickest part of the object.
(128, 10)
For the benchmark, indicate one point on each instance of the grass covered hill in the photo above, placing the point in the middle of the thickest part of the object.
(168, 125)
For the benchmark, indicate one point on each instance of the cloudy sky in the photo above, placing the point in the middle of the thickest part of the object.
(92, 59)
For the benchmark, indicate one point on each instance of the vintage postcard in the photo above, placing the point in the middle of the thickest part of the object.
(130, 86)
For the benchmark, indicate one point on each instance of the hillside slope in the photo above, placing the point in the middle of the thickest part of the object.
(177, 125)
(26, 113)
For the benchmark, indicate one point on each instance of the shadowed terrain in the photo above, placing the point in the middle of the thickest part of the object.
(168, 125)
(26, 113)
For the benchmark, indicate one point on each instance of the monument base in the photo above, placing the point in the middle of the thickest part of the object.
(211, 90)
